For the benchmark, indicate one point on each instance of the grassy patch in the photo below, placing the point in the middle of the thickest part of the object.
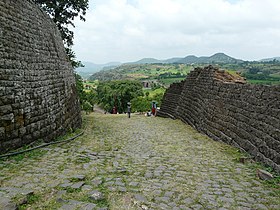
(169, 81)
(123, 201)
(32, 154)
(28, 201)
(263, 82)
(274, 184)
(102, 202)
(80, 160)
(72, 190)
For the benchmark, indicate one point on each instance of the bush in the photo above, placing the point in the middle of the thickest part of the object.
(87, 107)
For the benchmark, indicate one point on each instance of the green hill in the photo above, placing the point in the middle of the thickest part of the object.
(214, 59)
(162, 73)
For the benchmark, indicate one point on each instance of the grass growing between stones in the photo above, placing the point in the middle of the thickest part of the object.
(122, 201)
(28, 201)
(165, 162)
(274, 184)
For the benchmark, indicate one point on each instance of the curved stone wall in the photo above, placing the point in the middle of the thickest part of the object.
(38, 98)
(171, 99)
(243, 115)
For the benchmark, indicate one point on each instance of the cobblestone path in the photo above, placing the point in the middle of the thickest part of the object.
(136, 163)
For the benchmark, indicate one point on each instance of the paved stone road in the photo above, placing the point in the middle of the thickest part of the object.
(136, 163)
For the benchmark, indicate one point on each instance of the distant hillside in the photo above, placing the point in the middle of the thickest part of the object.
(189, 59)
(164, 73)
(141, 68)
(171, 60)
(270, 59)
(147, 61)
(216, 58)
(154, 61)
(142, 72)
(91, 68)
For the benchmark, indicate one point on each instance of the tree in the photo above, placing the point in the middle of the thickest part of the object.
(141, 104)
(80, 88)
(63, 13)
(118, 94)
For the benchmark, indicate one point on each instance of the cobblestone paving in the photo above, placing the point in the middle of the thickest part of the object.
(136, 163)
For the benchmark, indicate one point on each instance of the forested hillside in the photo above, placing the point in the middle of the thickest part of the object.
(154, 78)
(165, 74)
(162, 73)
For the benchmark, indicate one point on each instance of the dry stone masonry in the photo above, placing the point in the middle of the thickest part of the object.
(38, 98)
(226, 108)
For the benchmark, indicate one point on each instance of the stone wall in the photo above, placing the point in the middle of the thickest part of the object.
(227, 109)
(171, 99)
(38, 98)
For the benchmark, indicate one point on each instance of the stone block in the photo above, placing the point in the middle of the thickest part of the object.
(264, 175)
(2, 132)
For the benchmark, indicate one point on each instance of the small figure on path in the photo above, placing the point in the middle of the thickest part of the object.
(114, 111)
(128, 109)
(154, 108)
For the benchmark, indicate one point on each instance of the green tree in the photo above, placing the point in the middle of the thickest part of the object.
(91, 97)
(63, 13)
(87, 107)
(141, 104)
(117, 94)
(80, 88)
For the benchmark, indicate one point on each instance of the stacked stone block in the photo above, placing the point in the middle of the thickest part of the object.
(171, 99)
(38, 98)
(243, 115)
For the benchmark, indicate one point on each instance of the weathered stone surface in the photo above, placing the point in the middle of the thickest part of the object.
(97, 181)
(7, 204)
(77, 185)
(38, 98)
(66, 183)
(227, 109)
(140, 198)
(264, 175)
(96, 195)
(196, 171)
(79, 177)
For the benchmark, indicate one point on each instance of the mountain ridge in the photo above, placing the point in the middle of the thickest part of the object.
(191, 59)
(217, 58)
(270, 59)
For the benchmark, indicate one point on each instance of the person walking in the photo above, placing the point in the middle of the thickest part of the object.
(154, 108)
(128, 109)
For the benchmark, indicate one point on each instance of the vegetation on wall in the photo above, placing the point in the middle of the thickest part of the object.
(265, 72)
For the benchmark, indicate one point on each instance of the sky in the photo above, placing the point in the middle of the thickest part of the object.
(129, 30)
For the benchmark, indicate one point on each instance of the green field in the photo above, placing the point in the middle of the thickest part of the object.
(155, 92)
(166, 74)
(169, 81)
(264, 82)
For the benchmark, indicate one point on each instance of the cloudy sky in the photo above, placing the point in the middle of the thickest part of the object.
(128, 30)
